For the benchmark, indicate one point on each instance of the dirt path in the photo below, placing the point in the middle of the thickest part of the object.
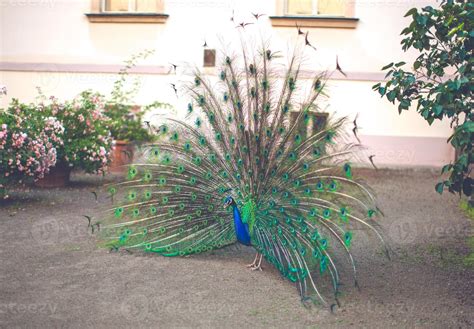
(52, 275)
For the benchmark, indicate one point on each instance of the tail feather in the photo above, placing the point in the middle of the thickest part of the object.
(249, 136)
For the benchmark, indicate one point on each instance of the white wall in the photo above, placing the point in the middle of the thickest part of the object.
(58, 32)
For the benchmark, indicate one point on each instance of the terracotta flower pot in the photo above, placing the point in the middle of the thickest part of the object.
(122, 155)
(58, 176)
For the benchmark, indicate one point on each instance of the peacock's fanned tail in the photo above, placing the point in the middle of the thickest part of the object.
(250, 134)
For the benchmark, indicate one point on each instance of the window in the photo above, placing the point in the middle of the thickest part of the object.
(127, 11)
(315, 13)
(316, 7)
(141, 6)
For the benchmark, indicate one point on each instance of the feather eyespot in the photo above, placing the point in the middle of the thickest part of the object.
(187, 146)
(327, 213)
(118, 212)
(198, 122)
(132, 195)
(197, 160)
(132, 172)
(147, 177)
(347, 238)
(320, 186)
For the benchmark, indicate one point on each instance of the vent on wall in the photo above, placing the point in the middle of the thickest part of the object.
(209, 57)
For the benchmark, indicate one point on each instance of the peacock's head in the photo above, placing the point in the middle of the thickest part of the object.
(228, 201)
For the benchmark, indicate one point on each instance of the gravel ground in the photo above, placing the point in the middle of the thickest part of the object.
(53, 275)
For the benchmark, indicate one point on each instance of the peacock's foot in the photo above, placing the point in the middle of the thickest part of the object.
(254, 263)
(257, 268)
(257, 265)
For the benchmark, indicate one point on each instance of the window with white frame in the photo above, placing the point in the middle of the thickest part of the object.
(316, 7)
(139, 6)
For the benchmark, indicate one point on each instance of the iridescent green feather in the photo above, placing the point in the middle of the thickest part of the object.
(285, 163)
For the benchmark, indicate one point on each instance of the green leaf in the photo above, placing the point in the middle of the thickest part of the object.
(437, 109)
(382, 91)
(387, 66)
(439, 188)
(376, 86)
(469, 126)
(388, 73)
(416, 65)
(446, 168)
(405, 103)
(411, 12)
(400, 64)
(391, 95)
(457, 28)
(406, 30)
(422, 20)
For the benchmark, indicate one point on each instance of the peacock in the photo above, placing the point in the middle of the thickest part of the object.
(255, 161)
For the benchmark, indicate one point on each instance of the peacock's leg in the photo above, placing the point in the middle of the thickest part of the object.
(258, 265)
(254, 261)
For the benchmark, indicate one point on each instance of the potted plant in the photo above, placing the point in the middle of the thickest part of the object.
(126, 128)
(126, 123)
(86, 142)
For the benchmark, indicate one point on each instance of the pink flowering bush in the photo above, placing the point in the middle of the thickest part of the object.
(27, 144)
(36, 137)
(87, 141)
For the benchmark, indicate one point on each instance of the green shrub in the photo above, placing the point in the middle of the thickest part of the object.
(440, 82)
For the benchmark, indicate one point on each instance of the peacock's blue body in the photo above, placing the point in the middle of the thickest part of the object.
(254, 143)
(241, 229)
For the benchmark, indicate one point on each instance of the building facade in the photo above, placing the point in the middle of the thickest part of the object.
(65, 47)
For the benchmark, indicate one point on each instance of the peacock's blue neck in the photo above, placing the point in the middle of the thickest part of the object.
(241, 229)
